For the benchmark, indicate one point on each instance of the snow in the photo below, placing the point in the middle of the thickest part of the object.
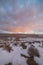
(15, 56)
(39, 60)
(4, 57)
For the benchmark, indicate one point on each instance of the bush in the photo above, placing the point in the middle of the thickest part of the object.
(32, 51)
(9, 64)
(30, 61)
(23, 45)
(8, 48)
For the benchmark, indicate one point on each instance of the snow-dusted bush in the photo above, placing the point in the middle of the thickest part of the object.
(33, 51)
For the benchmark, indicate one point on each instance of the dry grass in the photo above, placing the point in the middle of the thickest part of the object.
(8, 48)
(9, 64)
(1, 46)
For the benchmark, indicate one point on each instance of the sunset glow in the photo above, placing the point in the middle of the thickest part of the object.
(21, 16)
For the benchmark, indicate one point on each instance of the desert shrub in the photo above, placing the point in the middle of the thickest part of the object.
(1, 46)
(23, 45)
(39, 46)
(24, 56)
(30, 43)
(17, 39)
(32, 51)
(15, 44)
(8, 48)
(9, 64)
(30, 61)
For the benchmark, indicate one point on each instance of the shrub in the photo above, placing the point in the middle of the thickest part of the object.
(9, 64)
(30, 61)
(32, 51)
(7, 47)
(23, 45)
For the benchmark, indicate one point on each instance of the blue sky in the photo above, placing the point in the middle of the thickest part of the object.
(21, 15)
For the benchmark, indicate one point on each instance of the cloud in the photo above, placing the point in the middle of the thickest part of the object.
(21, 15)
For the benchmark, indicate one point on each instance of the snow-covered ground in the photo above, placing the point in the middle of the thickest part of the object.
(15, 56)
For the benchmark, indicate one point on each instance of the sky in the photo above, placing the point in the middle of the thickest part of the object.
(21, 16)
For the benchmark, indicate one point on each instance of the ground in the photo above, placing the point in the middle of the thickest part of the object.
(14, 56)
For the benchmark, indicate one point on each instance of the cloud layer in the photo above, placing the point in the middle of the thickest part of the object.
(21, 15)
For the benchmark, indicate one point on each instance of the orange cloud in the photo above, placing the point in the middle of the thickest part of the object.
(20, 29)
